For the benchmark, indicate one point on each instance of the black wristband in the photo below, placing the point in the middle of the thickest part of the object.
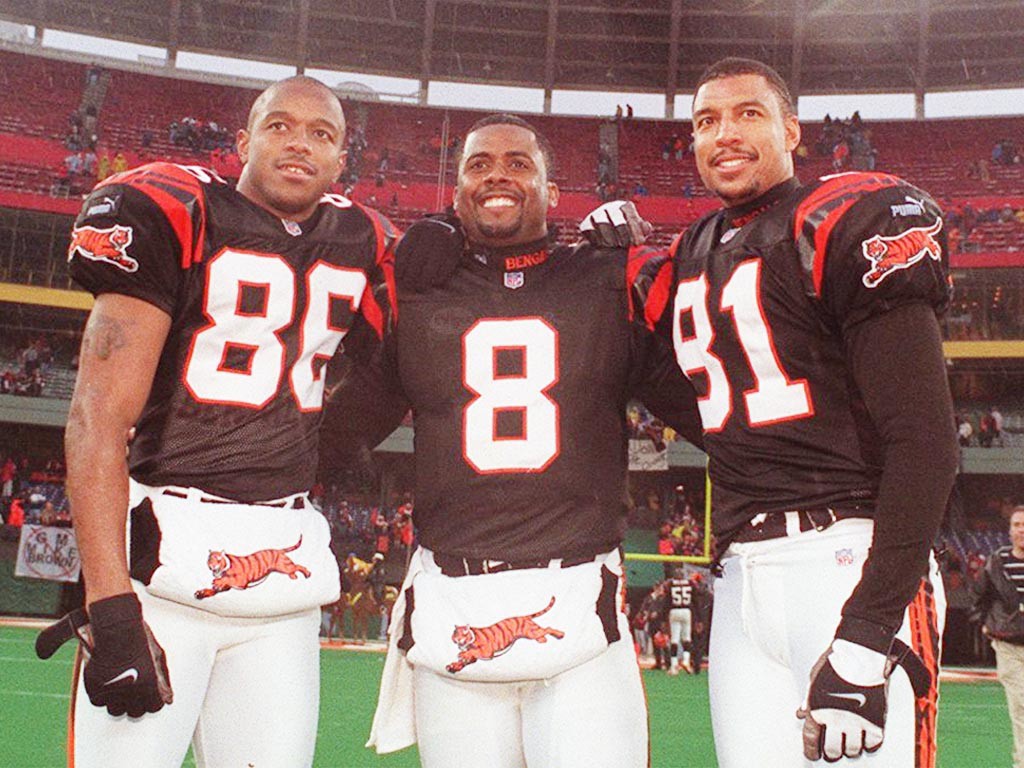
(877, 637)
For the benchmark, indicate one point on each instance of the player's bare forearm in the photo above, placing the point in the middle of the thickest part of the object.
(899, 369)
(120, 349)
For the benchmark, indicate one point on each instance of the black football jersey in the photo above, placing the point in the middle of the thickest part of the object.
(258, 306)
(680, 593)
(518, 373)
(760, 302)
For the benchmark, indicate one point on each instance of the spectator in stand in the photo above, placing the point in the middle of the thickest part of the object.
(8, 472)
(89, 161)
(986, 431)
(120, 164)
(840, 155)
(964, 430)
(73, 163)
(662, 650)
(996, 422)
(666, 546)
(16, 513)
(382, 534)
(1000, 605)
(48, 514)
(30, 359)
(679, 146)
(103, 167)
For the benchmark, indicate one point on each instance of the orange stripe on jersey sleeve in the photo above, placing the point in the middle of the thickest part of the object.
(923, 620)
(171, 188)
(655, 295)
(824, 208)
(635, 260)
(71, 709)
(385, 260)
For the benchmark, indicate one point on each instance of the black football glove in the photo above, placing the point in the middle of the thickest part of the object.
(615, 225)
(125, 668)
(848, 698)
(429, 252)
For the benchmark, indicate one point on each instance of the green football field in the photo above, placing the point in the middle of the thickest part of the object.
(974, 729)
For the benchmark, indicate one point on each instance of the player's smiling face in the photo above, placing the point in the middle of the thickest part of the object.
(293, 149)
(503, 194)
(743, 139)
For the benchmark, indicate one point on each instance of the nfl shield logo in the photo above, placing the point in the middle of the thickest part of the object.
(513, 280)
(844, 557)
(291, 227)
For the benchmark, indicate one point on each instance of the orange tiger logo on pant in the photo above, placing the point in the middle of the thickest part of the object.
(244, 571)
(477, 643)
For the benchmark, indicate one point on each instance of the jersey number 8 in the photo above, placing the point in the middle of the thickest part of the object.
(523, 395)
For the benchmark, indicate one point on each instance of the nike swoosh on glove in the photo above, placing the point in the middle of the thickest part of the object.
(617, 224)
(429, 252)
(125, 668)
(846, 703)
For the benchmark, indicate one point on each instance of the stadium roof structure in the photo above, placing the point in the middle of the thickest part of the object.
(660, 46)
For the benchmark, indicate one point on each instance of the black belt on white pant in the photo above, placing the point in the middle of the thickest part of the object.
(452, 565)
(775, 525)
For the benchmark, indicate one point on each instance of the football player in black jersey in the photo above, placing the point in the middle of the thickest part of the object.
(216, 311)
(806, 318)
(509, 629)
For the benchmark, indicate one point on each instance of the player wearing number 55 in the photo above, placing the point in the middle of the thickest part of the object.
(509, 647)
(216, 311)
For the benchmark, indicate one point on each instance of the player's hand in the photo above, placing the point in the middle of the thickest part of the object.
(429, 252)
(846, 703)
(617, 224)
(125, 668)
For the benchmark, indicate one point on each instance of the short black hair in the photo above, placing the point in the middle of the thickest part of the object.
(503, 118)
(732, 66)
(302, 80)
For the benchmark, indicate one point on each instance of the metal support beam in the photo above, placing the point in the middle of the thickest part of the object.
(921, 74)
(549, 54)
(429, 16)
(302, 54)
(799, 31)
(174, 33)
(672, 81)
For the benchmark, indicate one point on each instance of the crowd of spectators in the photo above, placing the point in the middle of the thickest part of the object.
(641, 424)
(675, 146)
(80, 170)
(32, 493)
(985, 429)
(1006, 152)
(674, 512)
(847, 142)
(362, 525)
(199, 135)
(963, 219)
(25, 373)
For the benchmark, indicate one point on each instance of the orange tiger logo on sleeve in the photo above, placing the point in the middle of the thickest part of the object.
(244, 571)
(888, 254)
(477, 643)
(109, 245)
